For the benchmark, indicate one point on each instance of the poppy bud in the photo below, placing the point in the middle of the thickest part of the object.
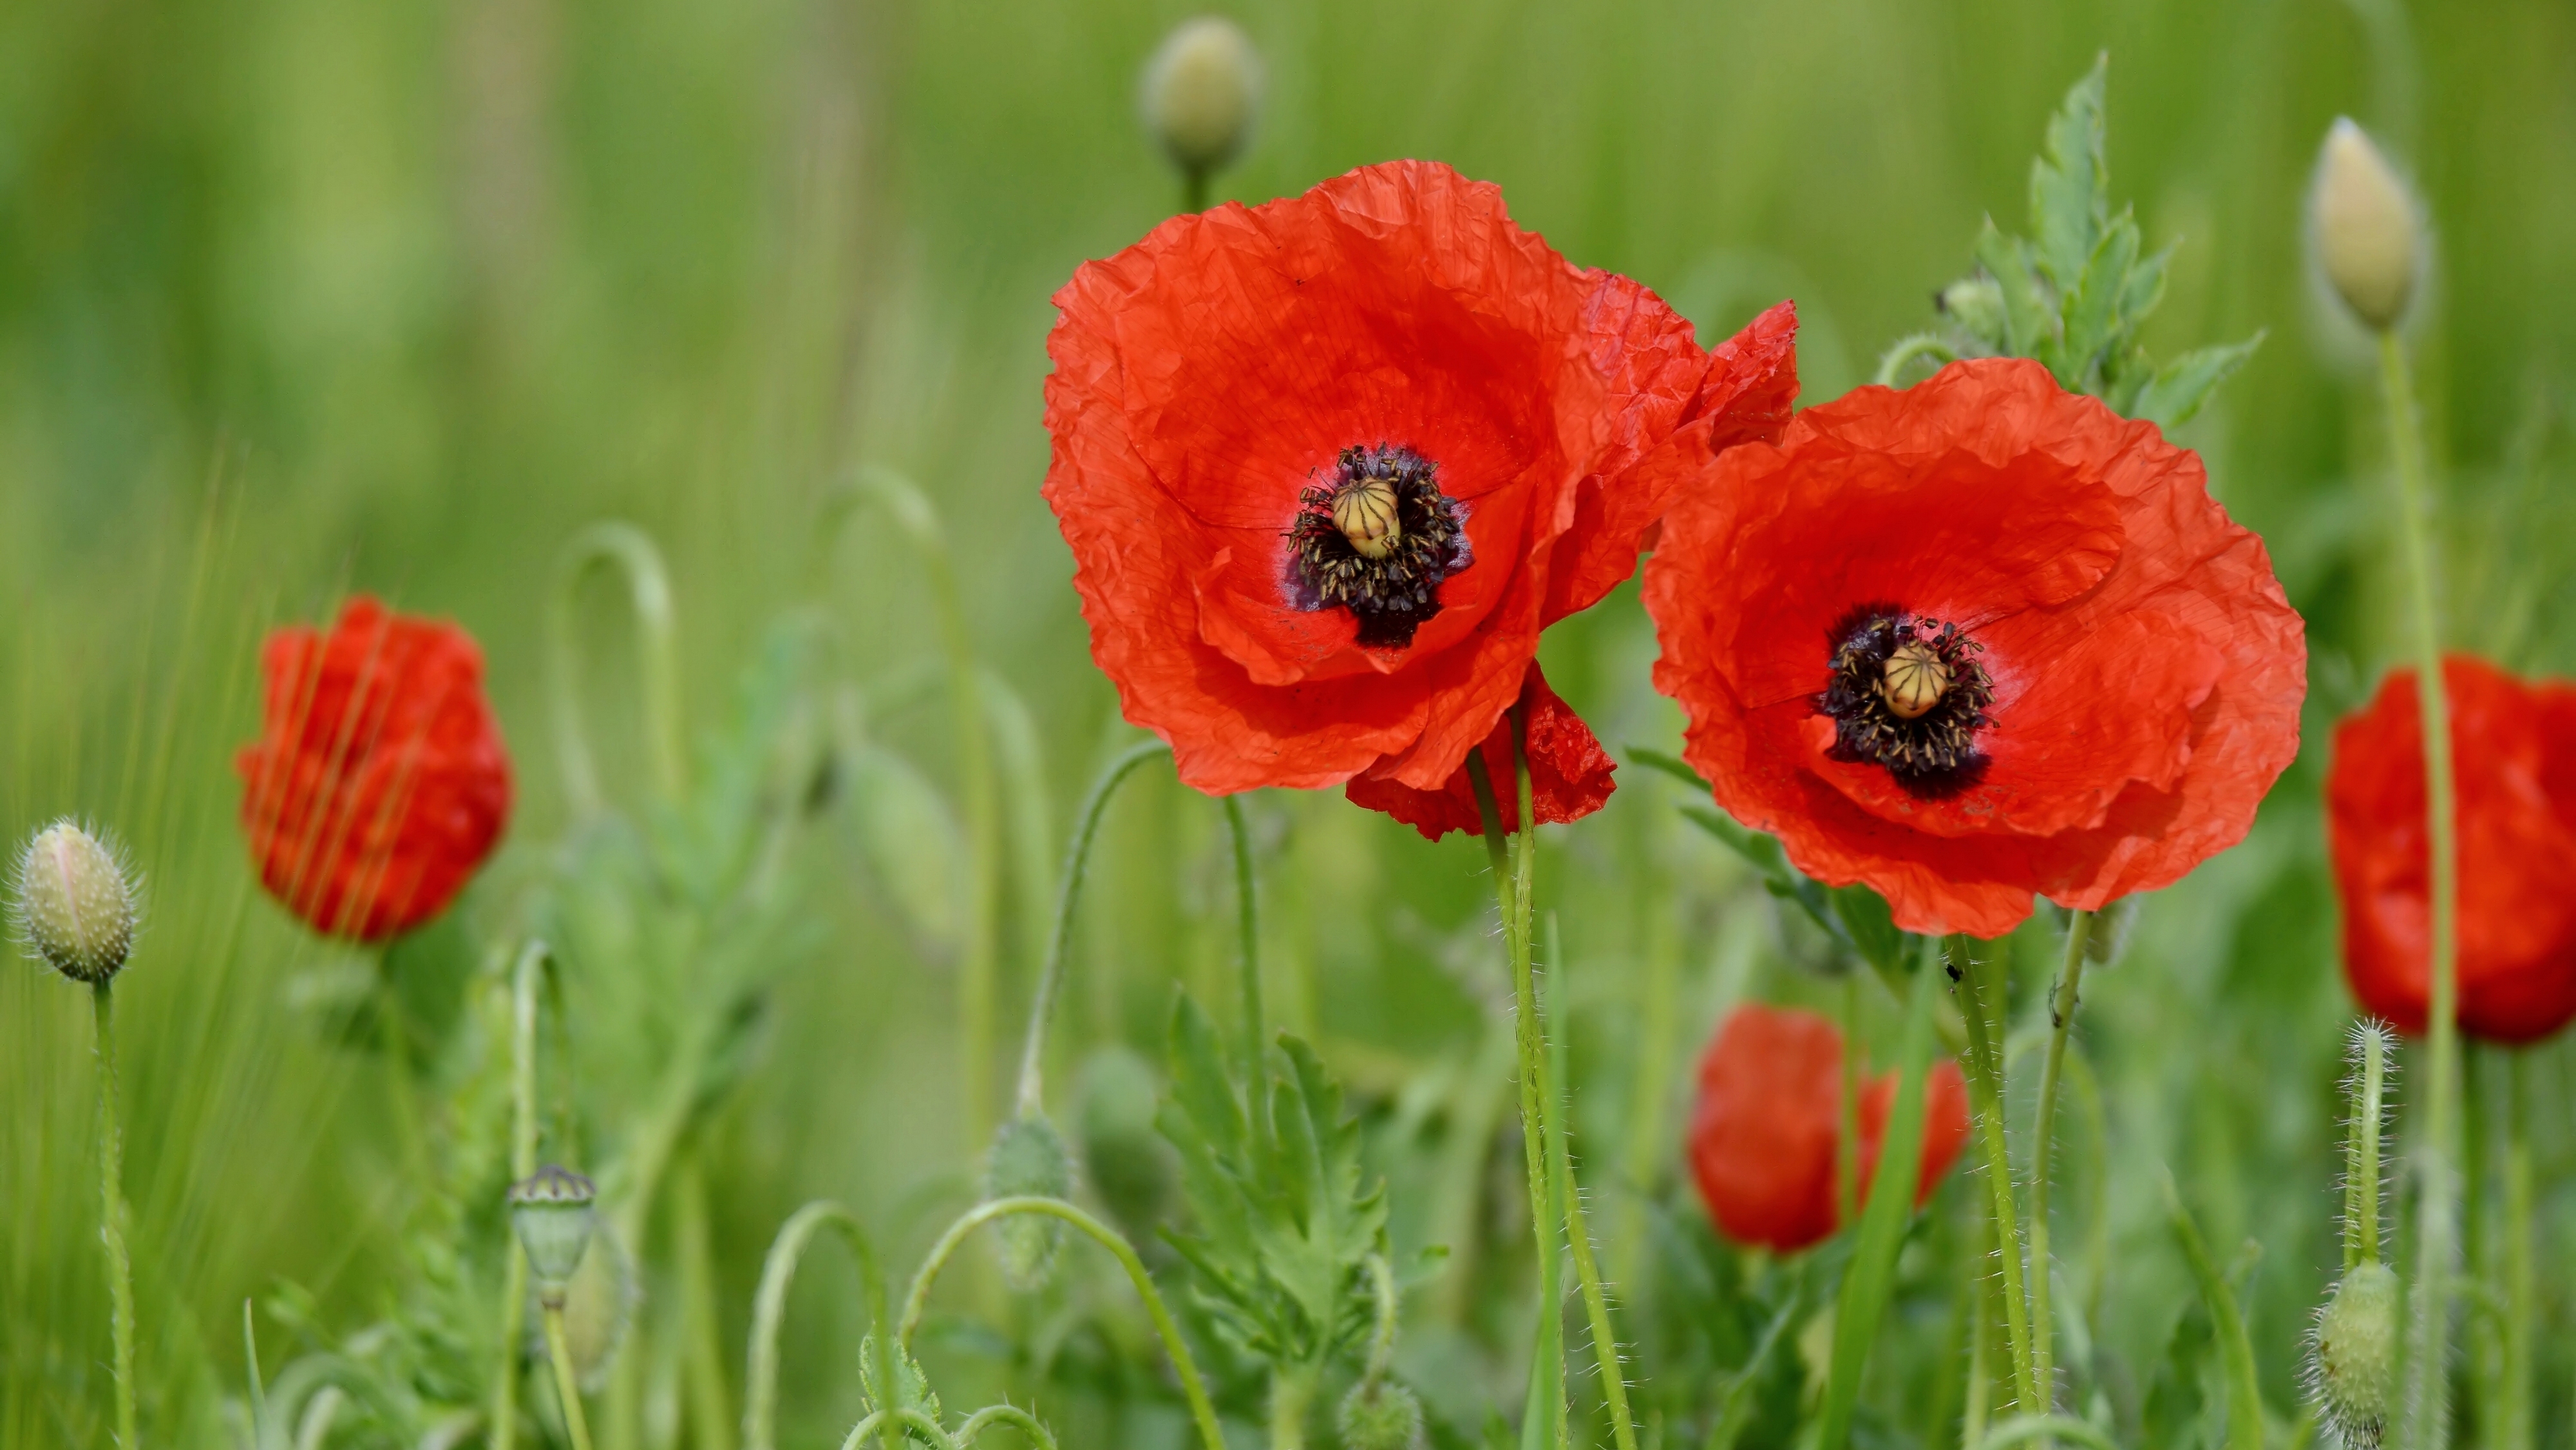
(1379, 1416)
(598, 1308)
(74, 906)
(1028, 1159)
(551, 1211)
(2353, 1371)
(1201, 90)
(2368, 240)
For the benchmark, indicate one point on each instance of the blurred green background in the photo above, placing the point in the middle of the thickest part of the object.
(301, 297)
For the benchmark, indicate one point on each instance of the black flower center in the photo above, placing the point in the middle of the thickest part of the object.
(1376, 537)
(1908, 693)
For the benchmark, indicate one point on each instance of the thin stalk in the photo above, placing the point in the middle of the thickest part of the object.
(1649, 1088)
(2428, 1349)
(111, 1200)
(2361, 1152)
(2520, 1278)
(648, 593)
(1587, 1270)
(1077, 866)
(2061, 1017)
(523, 1164)
(1018, 1419)
(709, 1399)
(1381, 1355)
(769, 1312)
(1292, 1398)
(567, 1383)
(1247, 962)
(917, 1301)
(1984, 1014)
(1981, 1338)
(1510, 897)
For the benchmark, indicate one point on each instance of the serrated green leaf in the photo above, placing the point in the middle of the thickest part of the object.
(2069, 186)
(1975, 305)
(1200, 1084)
(2092, 317)
(2178, 388)
(2030, 327)
(2144, 289)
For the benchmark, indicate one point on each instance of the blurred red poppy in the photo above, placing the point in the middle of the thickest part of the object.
(1975, 640)
(1569, 774)
(1767, 1130)
(2514, 749)
(1329, 464)
(379, 782)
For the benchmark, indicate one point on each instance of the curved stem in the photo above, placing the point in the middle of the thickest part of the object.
(1909, 350)
(1247, 926)
(2035, 1427)
(1020, 774)
(523, 1164)
(769, 1311)
(2428, 1353)
(2061, 1016)
(648, 592)
(918, 1299)
(1011, 1415)
(1578, 1233)
(1077, 866)
(1381, 1355)
(111, 1229)
(1984, 1016)
(889, 1423)
(567, 1383)
(710, 1417)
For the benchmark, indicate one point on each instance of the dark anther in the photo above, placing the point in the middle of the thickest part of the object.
(1376, 538)
(1908, 693)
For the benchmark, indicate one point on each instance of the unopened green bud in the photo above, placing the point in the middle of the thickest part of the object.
(2353, 1372)
(1379, 1416)
(73, 905)
(551, 1209)
(1028, 1160)
(1202, 90)
(598, 1308)
(2368, 238)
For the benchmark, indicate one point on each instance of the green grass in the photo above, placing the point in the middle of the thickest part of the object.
(301, 297)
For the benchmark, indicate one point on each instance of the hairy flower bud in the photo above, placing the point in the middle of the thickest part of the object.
(1028, 1159)
(2353, 1371)
(1202, 89)
(551, 1211)
(1379, 1416)
(2369, 242)
(73, 904)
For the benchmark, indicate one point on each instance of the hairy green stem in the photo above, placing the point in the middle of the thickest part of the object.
(2061, 1017)
(710, 1413)
(1984, 1011)
(1381, 1355)
(648, 592)
(917, 1301)
(903, 1418)
(769, 1312)
(1018, 1419)
(1512, 876)
(1292, 1399)
(567, 1383)
(1920, 345)
(1247, 962)
(1077, 867)
(2521, 1289)
(2361, 1151)
(2436, 1146)
(111, 1210)
(1587, 1276)
(523, 1164)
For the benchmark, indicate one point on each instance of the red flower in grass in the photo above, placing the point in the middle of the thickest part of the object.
(1766, 1134)
(1975, 640)
(1328, 465)
(1569, 773)
(2514, 757)
(379, 782)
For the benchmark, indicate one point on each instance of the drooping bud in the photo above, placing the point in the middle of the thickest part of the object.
(2364, 225)
(1202, 90)
(2353, 1367)
(73, 905)
(551, 1209)
(1028, 1159)
(1379, 1415)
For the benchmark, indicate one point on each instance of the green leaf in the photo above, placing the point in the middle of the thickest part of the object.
(2069, 185)
(1200, 1084)
(913, 847)
(1975, 305)
(2030, 328)
(2092, 311)
(2235, 1347)
(2144, 288)
(2182, 385)
(1870, 927)
(1871, 1279)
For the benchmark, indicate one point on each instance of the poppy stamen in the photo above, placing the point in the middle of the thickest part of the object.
(1376, 537)
(1908, 694)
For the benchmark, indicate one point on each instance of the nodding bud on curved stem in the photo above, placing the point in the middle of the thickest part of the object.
(1202, 90)
(2365, 227)
(73, 904)
(1028, 1159)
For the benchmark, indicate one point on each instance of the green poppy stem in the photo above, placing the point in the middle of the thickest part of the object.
(2061, 1009)
(111, 1232)
(1983, 1007)
(1077, 869)
(1247, 925)
(567, 1383)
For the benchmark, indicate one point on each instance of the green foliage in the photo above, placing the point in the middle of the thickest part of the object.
(2074, 293)
(1283, 1222)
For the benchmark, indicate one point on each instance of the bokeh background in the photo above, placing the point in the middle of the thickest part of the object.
(301, 297)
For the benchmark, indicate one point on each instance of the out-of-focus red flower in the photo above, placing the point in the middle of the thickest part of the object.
(1974, 640)
(1767, 1129)
(1328, 465)
(379, 781)
(2514, 758)
(1569, 774)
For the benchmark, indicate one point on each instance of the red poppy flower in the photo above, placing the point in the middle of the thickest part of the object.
(1974, 640)
(2514, 758)
(379, 782)
(1767, 1130)
(1569, 773)
(1328, 465)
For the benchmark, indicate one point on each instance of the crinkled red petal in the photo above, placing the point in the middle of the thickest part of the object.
(1570, 774)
